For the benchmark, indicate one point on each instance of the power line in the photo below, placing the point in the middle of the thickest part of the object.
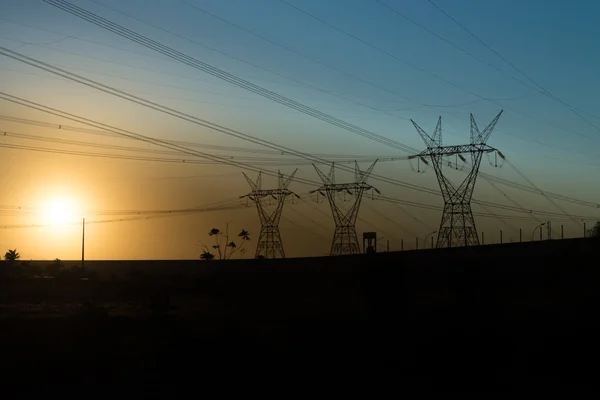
(65, 127)
(412, 21)
(395, 223)
(179, 88)
(156, 106)
(298, 83)
(175, 113)
(544, 90)
(288, 78)
(314, 60)
(536, 190)
(184, 150)
(174, 54)
(244, 61)
(149, 43)
(287, 48)
(255, 160)
(383, 51)
(122, 219)
(379, 49)
(156, 159)
(147, 139)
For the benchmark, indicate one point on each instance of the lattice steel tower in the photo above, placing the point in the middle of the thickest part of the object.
(458, 225)
(345, 240)
(269, 240)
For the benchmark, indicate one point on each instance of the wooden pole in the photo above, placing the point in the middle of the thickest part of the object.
(83, 243)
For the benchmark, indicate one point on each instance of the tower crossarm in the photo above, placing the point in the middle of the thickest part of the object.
(341, 187)
(261, 193)
(446, 151)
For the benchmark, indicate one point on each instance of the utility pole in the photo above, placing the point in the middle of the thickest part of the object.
(429, 234)
(501, 236)
(549, 233)
(269, 240)
(83, 243)
(540, 228)
(345, 240)
(458, 225)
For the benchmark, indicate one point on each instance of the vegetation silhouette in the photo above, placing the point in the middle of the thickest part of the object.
(223, 246)
(12, 256)
(55, 268)
(11, 266)
(595, 231)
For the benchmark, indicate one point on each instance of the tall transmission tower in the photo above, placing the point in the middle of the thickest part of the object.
(458, 225)
(345, 240)
(269, 240)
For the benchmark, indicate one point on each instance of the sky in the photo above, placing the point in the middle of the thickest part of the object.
(373, 64)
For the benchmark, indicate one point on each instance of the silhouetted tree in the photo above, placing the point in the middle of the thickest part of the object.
(12, 256)
(55, 268)
(11, 267)
(224, 247)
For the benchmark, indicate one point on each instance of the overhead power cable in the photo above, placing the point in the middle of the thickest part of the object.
(102, 22)
(287, 48)
(64, 127)
(394, 56)
(255, 163)
(184, 150)
(158, 142)
(125, 218)
(543, 89)
(149, 43)
(187, 117)
(412, 21)
(125, 95)
(331, 157)
(254, 160)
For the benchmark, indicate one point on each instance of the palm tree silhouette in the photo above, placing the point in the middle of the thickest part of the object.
(12, 256)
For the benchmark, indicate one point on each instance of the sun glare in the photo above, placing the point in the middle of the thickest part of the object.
(59, 211)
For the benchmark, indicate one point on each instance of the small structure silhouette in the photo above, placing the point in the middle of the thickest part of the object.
(370, 242)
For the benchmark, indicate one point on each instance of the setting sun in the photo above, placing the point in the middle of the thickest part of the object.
(59, 211)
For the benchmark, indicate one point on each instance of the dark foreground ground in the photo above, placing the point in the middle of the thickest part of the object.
(495, 320)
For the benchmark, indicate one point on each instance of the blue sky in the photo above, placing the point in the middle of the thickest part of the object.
(421, 77)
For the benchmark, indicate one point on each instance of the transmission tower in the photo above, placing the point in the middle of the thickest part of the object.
(458, 225)
(345, 240)
(269, 240)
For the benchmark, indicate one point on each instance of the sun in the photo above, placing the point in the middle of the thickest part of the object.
(59, 211)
